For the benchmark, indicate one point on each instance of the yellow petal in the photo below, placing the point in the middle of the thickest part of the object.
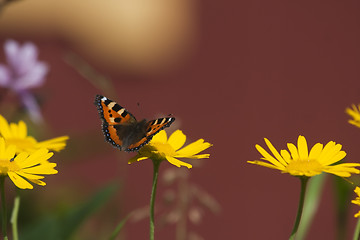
(348, 165)
(303, 148)
(199, 156)
(37, 181)
(275, 152)
(293, 150)
(55, 144)
(329, 146)
(160, 137)
(286, 155)
(335, 158)
(177, 139)
(177, 162)
(4, 128)
(37, 157)
(265, 164)
(356, 123)
(10, 152)
(22, 130)
(268, 157)
(21, 157)
(193, 148)
(338, 173)
(136, 158)
(343, 170)
(29, 176)
(19, 181)
(315, 151)
(42, 169)
(328, 152)
(2, 148)
(14, 130)
(354, 113)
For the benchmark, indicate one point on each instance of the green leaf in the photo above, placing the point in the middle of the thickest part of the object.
(357, 230)
(311, 204)
(62, 227)
(45, 228)
(119, 227)
(343, 193)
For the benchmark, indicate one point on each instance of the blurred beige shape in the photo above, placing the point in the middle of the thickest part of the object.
(137, 35)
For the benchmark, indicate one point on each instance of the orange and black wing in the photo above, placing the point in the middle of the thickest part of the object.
(112, 115)
(151, 128)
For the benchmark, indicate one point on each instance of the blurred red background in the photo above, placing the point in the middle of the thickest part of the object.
(232, 73)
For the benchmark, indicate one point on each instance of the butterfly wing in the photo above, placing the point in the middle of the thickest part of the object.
(121, 129)
(112, 115)
(111, 112)
(151, 128)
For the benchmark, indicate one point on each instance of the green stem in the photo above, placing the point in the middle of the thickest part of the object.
(3, 205)
(14, 217)
(304, 181)
(357, 231)
(153, 195)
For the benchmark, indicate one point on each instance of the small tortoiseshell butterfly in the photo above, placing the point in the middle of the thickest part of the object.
(121, 129)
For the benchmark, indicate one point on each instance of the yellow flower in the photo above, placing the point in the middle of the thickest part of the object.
(163, 149)
(357, 200)
(299, 162)
(355, 114)
(16, 134)
(24, 167)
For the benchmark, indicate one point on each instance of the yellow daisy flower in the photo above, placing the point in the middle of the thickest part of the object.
(16, 134)
(299, 162)
(357, 200)
(355, 114)
(24, 167)
(164, 149)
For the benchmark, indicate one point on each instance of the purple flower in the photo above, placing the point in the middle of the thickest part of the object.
(22, 72)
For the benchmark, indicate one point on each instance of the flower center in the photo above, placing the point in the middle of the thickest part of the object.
(164, 149)
(304, 167)
(7, 165)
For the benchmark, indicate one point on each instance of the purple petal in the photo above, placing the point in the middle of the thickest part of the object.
(21, 58)
(27, 58)
(4, 76)
(11, 49)
(31, 106)
(34, 78)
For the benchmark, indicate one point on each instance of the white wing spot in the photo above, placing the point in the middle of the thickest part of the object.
(121, 111)
(111, 105)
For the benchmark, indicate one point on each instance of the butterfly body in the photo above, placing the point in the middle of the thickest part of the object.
(121, 129)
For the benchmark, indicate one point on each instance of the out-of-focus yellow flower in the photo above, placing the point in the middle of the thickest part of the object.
(163, 149)
(299, 162)
(357, 200)
(354, 112)
(24, 167)
(16, 134)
